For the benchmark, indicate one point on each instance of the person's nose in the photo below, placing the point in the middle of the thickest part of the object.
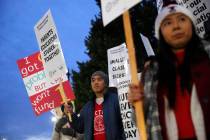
(176, 25)
(96, 82)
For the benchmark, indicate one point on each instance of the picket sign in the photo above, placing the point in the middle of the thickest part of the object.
(119, 76)
(42, 94)
(51, 52)
(110, 10)
(200, 10)
(118, 65)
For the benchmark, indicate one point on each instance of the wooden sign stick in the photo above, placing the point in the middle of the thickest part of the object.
(132, 60)
(64, 99)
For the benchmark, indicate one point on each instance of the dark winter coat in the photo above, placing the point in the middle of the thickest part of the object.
(112, 118)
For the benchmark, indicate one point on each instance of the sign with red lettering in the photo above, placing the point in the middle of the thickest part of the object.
(43, 95)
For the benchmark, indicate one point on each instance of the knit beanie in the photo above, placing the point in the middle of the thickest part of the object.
(168, 10)
(102, 75)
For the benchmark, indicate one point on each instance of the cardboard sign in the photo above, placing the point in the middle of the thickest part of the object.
(201, 11)
(130, 129)
(117, 64)
(111, 9)
(43, 95)
(50, 48)
(147, 45)
(119, 76)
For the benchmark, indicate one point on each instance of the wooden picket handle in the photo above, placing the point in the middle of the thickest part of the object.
(134, 78)
(64, 98)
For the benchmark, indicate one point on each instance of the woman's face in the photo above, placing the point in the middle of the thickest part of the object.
(176, 30)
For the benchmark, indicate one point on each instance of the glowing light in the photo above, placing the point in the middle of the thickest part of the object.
(53, 119)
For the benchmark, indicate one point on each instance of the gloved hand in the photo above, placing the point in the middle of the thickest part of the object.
(60, 124)
(68, 131)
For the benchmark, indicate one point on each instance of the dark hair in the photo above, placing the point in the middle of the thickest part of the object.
(103, 75)
(62, 106)
(168, 2)
(194, 53)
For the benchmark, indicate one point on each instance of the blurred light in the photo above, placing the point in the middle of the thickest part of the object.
(54, 119)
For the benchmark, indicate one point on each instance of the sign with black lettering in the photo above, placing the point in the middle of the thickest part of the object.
(119, 76)
(201, 11)
(117, 64)
(131, 131)
(50, 48)
(111, 9)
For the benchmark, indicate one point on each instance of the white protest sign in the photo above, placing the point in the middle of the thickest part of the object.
(147, 45)
(119, 74)
(131, 131)
(117, 64)
(201, 11)
(50, 48)
(111, 9)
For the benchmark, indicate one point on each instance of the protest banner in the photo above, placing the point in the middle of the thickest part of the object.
(50, 48)
(117, 64)
(51, 52)
(111, 9)
(147, 45)
(43, 96)
(119, 76)
(130, 129)
(201, 11)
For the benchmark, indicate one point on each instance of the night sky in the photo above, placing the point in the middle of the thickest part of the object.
(17, 40)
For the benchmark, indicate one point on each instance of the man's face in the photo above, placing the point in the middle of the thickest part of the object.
(98, 85)
(68, 108)
(176, 30)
